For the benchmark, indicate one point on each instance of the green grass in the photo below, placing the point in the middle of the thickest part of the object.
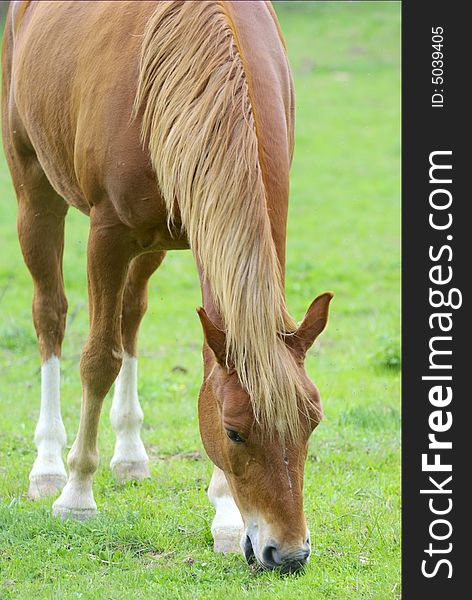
(152, 539)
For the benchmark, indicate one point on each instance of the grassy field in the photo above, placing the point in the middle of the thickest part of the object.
(152, 539)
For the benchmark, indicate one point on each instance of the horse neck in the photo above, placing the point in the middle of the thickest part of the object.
(278, 233)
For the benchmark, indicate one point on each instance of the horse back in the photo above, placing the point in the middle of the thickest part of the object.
(74, 68)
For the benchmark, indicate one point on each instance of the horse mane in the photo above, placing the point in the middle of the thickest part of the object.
(199, 125)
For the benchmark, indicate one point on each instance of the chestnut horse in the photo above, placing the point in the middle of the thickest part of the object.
(171, 125)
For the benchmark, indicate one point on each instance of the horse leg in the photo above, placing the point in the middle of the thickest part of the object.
(41, 214)
(227, 527)
(130, 460)
(108, 256)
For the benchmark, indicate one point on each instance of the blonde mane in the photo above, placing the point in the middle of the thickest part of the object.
(198, 122)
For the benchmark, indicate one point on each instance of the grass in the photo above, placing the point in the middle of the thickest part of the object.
(152, 539)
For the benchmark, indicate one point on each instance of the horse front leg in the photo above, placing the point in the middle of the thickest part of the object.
(108, 257)
(227, 527)
(130, 460)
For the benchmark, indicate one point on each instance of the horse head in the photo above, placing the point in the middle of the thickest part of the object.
(264, 470)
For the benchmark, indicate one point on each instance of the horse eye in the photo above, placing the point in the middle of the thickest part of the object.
(234, 436)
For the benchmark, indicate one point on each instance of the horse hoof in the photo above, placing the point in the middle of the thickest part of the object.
(42, 486)
(77, 514)
(128, 471)
(227, 540)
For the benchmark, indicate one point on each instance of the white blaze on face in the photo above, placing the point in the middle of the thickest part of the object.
(126, 415)
(286, 463)
(50, 435)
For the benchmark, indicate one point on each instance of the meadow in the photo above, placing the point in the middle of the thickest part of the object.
(152, 539)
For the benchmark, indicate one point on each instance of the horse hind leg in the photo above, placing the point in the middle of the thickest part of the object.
(41, 214)
(227, 527)
(130, 460)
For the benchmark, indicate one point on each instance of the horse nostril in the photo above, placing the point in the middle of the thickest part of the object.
(288, 561)
(248, 550)
(270, 557)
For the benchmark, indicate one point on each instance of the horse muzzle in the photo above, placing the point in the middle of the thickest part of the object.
(273, 556)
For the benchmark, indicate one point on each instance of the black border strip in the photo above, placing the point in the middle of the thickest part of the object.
(427, 129)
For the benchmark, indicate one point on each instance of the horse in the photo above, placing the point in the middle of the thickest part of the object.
(171, 124)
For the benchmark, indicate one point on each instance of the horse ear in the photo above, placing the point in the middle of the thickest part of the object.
(312, 325)
(214, 337)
